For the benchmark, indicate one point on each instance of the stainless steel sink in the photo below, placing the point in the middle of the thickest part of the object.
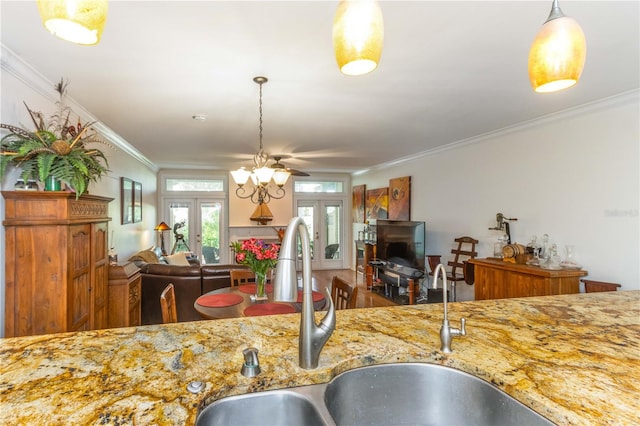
(274, 408)
(424, 394)
(389, 394)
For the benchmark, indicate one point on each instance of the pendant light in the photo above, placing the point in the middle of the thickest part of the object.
(357, 36)
(260, 175)
(558, 53)
(77, 21)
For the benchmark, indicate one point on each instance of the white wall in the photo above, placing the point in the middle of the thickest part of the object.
(573, 176)
(20, 83)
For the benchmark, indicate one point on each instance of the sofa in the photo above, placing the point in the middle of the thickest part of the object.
(190, 281)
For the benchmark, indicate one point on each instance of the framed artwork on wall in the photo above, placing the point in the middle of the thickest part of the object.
(358, 211)
(377, 203)
(400, 198)
(137, 202)
(126, 200)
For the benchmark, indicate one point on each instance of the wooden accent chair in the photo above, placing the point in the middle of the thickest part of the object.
(241, 277)
(343, 295)
(465, 250)
(168, 305)
(598, 286)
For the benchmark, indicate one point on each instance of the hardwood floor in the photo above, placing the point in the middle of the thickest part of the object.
(365, 299)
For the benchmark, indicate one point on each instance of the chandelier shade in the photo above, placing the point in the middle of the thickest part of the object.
(77, 21)
(358, 33)
(261, 174)
(558, 53)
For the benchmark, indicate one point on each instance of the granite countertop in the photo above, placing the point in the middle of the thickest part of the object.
(575, 359)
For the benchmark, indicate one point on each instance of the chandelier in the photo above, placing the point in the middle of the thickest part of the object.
(261, 175)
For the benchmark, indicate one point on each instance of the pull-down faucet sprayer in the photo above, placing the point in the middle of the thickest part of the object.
(285, 289)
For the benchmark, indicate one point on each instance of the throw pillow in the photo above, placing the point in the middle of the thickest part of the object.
(178, 259)
(147, 256)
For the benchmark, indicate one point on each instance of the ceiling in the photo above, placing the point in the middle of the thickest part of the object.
(449, 71)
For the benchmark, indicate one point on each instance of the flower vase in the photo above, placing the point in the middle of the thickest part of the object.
(261, 282)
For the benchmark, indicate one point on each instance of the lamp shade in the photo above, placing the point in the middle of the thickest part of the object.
(263, 174)
(280, 176)
(240, 176)
(357, 36)
(557, 55)
(162, 227)
(77, 21)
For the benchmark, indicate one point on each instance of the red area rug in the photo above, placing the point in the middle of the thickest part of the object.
(268, 309)
(219, 300)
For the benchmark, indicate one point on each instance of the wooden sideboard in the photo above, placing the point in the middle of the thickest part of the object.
(125, 287)
(496, 279)
(56, 262)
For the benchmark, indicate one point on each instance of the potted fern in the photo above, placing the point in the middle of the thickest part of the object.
(56, 150)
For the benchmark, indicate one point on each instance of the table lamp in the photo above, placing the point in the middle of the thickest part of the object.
(161, 228)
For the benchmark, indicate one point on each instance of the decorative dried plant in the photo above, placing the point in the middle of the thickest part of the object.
(56, 148)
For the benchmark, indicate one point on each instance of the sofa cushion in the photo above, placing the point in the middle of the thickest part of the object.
(177, 259)
(148, 256)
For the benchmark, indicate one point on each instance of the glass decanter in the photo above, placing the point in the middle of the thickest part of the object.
(569, 261)
(533, 248)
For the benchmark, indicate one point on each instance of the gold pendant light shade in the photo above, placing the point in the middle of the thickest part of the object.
(357, 36)
(558, 53)
(77, 21)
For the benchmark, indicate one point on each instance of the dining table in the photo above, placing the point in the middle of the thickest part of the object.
(236, 302)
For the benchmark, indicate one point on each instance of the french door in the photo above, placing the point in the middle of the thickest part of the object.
(197, 226)
(324, 221)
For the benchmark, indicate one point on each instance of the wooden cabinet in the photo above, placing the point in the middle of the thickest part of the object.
(365, 253)
(125, 286)
(496, 279)
(56, 262)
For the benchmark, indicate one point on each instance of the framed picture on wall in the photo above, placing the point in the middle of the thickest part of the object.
(358, 211)
(377, 203)
(137, 202)
(400, 198)
(126, 200)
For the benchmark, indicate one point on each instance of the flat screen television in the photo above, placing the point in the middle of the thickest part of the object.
(401, 242)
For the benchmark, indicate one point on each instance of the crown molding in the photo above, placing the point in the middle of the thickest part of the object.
(631, 96)
(14, 65)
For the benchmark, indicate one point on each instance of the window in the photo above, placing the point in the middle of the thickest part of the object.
(328, 187)
(193, 185)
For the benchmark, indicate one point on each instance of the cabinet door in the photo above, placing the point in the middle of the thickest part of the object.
(79, 278)
(100, 284)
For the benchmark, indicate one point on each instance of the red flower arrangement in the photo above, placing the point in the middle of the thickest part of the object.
(258, 255)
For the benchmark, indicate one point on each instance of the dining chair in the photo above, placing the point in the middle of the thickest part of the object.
(168, 305)
(591, 286)
(343, 295)
(241, 277)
